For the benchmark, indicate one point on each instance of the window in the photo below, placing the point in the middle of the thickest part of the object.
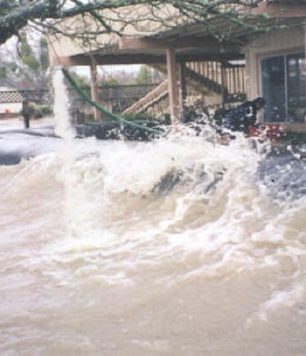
(283, 81)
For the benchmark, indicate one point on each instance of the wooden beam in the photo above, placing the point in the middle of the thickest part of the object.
(136, 58)
(173, 86)
(142, 58)
(111, 59)
(205, 44)
(146, 59)
(64, 62)
(94, 87)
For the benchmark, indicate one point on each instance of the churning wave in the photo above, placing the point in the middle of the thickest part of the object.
(129, 236)
(177, 246)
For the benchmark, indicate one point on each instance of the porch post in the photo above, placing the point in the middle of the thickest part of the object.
(305, 71)
(183, 83)
(222, 68)
(94, 86)
(173, 86)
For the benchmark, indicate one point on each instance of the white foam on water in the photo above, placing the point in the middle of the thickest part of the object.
(174, 241)
(279, 300)
(112, 203)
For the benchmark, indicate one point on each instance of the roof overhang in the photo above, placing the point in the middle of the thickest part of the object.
(220, 38)
(153, 50)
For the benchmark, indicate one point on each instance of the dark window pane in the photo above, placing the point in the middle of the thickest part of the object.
(296, 87)
(273, 80)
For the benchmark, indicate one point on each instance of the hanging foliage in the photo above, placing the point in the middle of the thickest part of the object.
(107, 16)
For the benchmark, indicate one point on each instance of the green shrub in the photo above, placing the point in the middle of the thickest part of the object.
(138, 117)
(45, 109)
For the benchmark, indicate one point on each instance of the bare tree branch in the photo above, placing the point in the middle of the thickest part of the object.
(104, 16)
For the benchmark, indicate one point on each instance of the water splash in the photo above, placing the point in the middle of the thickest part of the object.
(146, 242)
(143, 243)
(66, 152)
(61, 106)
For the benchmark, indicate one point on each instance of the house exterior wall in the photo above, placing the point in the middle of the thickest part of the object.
(281, 42)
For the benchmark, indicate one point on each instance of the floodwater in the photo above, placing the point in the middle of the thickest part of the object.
(174, 247)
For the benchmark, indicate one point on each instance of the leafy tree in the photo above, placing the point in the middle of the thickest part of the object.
(33, 63)
(43, 54)
(47, 14)
(2, 72)
(6, 6)
(110, 82)
(27, 55)
(102, 15)
(26, 67)
(80, 80)
(145, 75)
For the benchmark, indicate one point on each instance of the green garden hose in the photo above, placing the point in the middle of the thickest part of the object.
(108, 114)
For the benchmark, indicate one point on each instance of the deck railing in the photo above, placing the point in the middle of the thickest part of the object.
(230, 77)
(226, 81)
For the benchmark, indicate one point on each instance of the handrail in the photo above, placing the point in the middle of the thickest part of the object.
(224, 80)
(153, 96)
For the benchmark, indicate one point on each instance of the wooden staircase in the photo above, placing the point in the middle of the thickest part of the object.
(222, 81)
(152, 98)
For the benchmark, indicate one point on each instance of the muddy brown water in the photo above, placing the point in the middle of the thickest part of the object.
(173, 247)
(101, 255)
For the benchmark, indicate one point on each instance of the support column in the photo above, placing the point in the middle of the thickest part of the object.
(222, 68)
(183, 83)
(182, 89)
(305, 71)
(94, 87)
(173, 86)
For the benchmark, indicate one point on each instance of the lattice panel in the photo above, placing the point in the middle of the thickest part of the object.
(35, 96)
(14, 96)
(10, 97)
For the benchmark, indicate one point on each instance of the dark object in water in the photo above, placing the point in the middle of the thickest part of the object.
(48, 132)
(115, 130)
(26, 113)
(284, 174)
(168, 181)
(29, 110)
(242, 117)
(11, 158)
(208, 181)
(22, 144)
(102, 131)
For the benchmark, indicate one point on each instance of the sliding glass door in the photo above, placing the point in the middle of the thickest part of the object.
(283, 81)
